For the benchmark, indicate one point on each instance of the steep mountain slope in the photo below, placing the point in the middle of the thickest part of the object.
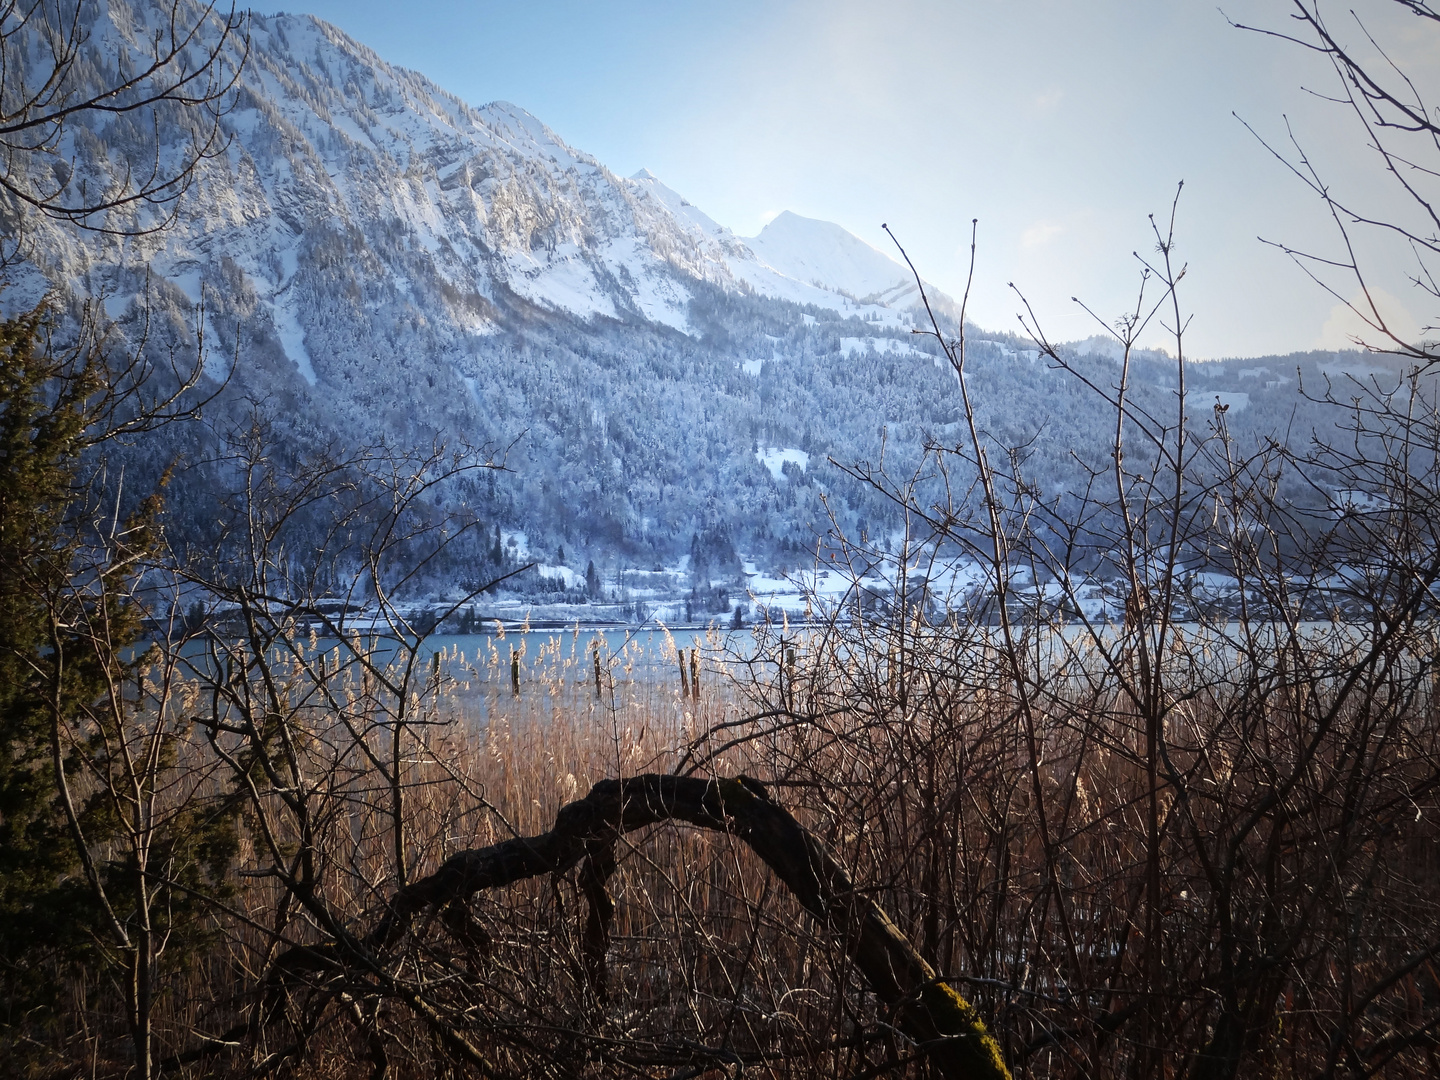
(375, 259)
(330, 145)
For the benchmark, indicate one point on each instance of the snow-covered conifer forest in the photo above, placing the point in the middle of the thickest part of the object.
(373, 260)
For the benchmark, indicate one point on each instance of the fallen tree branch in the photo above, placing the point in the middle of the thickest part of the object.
(940, 1021)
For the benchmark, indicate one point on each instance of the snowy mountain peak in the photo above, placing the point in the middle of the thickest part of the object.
(794, 258)
(377, 259)
(824, 254)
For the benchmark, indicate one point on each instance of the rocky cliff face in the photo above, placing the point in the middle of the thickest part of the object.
(354, 194)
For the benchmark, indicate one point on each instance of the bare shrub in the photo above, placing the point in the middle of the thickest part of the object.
(1160, 783)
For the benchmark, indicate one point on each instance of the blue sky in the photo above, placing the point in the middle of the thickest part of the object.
(1060, 125)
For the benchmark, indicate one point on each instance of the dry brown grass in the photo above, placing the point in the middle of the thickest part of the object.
(915, 765)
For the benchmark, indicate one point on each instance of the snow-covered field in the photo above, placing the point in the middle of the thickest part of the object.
(775, 457)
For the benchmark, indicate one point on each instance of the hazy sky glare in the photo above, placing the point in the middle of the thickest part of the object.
(1059, 125)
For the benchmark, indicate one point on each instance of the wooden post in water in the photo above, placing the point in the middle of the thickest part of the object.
(684, 680)
(514, 671)
(598, 691)
(695, 674)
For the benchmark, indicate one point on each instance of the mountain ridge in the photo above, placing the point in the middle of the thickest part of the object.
(377, 259)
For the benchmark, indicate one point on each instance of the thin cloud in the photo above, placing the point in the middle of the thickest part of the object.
(1344, 329)
(1040, 234)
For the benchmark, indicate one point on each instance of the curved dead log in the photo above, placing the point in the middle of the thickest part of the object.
(942, 1022)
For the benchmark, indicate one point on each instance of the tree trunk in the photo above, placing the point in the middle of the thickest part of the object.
(928, 1010)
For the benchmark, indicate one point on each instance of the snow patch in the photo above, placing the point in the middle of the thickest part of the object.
(25, 287)
(775, 457)
(341, 122)
(116, 304)
(292, 340)
(516, 542)
(565, 282)
(189, 284)
(568, 579)
(659, 296)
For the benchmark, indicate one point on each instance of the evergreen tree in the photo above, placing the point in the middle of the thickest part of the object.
(43, 417)
(93, 871)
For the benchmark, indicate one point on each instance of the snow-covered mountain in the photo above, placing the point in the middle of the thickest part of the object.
(823, 254)
(376, 258)
(333, 149)
(797, 258)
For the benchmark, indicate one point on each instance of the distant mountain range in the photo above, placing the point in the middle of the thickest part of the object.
(377, 258)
